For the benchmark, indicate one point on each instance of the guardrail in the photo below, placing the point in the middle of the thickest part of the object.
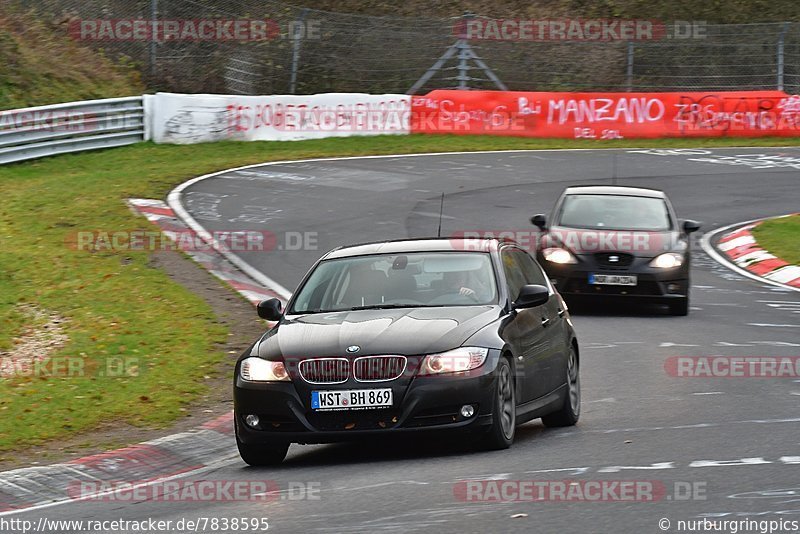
(70, 127)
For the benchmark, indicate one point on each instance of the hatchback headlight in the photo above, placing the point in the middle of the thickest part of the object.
(260, 370)
(453, 361)
(669, 260)
(558, 255)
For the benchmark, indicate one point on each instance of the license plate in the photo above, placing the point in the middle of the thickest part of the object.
(612, 279)
(350, 399)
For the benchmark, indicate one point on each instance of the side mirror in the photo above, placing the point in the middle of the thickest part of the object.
(690, 226)
(270, 309)
(531, 296)
(539, 220)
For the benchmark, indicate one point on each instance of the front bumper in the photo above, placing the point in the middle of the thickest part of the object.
(426, 404)
(573, 279)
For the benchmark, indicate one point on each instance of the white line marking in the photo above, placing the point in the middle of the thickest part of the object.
(655, 466)
(573, 470)
(725, 463)
(681, 427)
(491, 476)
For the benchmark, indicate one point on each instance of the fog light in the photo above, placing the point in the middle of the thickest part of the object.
(467, 411)
(673, 288)
(252, 421)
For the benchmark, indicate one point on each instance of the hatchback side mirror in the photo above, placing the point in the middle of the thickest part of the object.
(271, 309)
(531, 296)
(690, 226)
(539, 220)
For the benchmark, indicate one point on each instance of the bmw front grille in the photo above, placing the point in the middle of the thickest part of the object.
(378, 368)
(325, 370)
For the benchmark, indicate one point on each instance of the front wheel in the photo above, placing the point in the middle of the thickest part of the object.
(570, 410)
(504, 419)
(259, 455)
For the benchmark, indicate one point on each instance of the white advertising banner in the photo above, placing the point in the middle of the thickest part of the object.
(183, 118)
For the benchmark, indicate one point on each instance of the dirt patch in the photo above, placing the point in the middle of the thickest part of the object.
(229, 308)
(41, 337)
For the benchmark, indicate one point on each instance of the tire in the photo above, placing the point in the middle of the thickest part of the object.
(501, 434)
(679, 306)
(570, 410)
(259, 455)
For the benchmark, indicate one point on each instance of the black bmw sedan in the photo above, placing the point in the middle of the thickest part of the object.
(413, 336)
(615, 241)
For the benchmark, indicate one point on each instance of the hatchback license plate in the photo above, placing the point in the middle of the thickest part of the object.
(612, 279)
(349, 399)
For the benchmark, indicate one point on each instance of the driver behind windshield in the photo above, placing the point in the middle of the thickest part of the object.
(464, 283)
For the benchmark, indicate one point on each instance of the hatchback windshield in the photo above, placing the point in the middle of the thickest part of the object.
(417, 279)
(613, 212)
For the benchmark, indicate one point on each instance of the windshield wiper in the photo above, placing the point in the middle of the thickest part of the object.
(384, 306)
(372, 307)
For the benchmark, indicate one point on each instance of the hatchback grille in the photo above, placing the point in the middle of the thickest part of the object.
(378, 368)
(325, 370)
(614, 259)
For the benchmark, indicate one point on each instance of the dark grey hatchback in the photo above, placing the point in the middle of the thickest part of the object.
(409, 337)
(613, 241)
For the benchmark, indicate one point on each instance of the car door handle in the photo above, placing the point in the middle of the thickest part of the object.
(561, 312)
(545, 321)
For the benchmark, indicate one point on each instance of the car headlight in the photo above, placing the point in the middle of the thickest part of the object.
(558, 255)
(453, 361)
(260, 370)
(668, 260)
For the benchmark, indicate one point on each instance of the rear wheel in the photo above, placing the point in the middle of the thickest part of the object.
(259, 455)
(504, 420)
(570, 410)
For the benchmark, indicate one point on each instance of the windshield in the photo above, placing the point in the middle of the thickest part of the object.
(612, 212)
(418, 279)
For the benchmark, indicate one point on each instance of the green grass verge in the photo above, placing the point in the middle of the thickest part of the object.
(42, 65)
(116, 305)
(781, 237)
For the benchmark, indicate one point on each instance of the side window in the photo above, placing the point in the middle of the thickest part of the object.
(533, 273)
(515, 277)
(520, 270)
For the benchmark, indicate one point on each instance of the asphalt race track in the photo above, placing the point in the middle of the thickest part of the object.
(735, 441)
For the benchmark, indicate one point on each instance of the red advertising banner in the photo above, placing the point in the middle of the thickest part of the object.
(607, 115)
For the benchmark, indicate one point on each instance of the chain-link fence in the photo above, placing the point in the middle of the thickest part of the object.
(313, 51)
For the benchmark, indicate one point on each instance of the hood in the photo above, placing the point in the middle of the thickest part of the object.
(589, 241)
(406, 331)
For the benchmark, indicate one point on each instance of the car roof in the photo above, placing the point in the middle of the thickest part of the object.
(614, 190)
(425, 244)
